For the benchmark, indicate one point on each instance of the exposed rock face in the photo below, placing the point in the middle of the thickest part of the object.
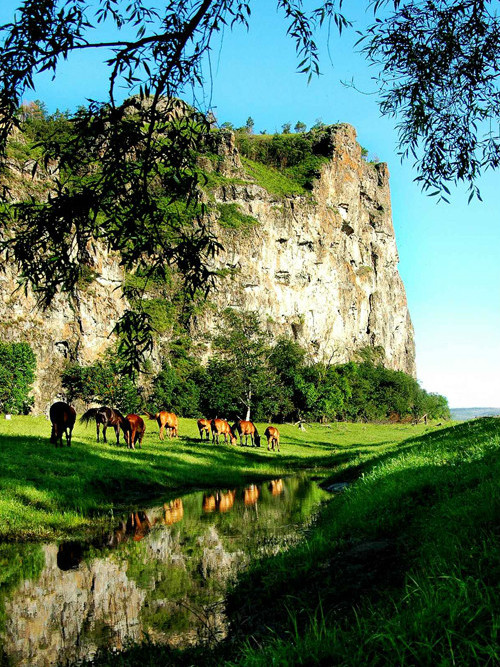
(66, 331)
(322, 270)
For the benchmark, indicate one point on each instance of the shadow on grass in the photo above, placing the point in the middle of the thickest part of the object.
(90, 478)
(409, 520)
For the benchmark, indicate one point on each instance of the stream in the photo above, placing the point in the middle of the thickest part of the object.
(160, 574)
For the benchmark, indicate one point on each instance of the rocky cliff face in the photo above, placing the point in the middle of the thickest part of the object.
(324, 269)
(320, 269)
(68, 330)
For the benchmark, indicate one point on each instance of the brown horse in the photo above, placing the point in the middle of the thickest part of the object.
(220, 427)
(246, 428)
(168, 421)
(204, 427)
(105, 417)
(63, 417)
(273, 438)
(136, 433)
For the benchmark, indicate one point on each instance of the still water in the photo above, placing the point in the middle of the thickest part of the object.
(160, 574)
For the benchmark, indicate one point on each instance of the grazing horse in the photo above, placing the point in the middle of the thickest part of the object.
(204, 427)
(136, 433)
(107, 417)
(245, 428)
(220, 427)
(273, 438)
(63, 417)
(168, 421)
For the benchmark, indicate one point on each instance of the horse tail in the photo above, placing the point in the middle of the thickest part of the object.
(89, 416)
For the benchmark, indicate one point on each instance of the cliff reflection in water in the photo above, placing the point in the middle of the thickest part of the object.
(160, 573)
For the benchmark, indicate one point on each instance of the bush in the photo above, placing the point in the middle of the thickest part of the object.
(299, 157)
(102, 382)
(177, 392)
(17, 374)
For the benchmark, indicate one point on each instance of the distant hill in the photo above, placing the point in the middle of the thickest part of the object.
(462, 414)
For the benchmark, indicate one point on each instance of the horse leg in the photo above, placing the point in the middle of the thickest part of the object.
(104, 439)
(117, 431)
(97, 429)
(162, 436)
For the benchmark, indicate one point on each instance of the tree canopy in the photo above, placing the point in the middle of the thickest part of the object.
(125, 174)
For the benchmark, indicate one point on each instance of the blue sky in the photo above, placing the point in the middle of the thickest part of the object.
(448, 252)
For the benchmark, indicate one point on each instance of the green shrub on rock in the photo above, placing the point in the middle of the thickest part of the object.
(17, 374)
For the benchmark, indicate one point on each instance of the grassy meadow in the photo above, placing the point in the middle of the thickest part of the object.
(47, 492)
(403, 568)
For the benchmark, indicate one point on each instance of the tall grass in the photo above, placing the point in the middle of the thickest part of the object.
(405, 566)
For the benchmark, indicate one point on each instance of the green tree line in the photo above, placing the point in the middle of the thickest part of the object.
(249, 375)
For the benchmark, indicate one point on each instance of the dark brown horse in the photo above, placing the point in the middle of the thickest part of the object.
(246, 428)
(204, 427)
(63, 417)
(168, 421)
(221, 427)
(105, 417)
(137, 430)
(273, 438)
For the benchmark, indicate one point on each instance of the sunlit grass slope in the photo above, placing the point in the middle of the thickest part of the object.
(46, 492)
(401, 569)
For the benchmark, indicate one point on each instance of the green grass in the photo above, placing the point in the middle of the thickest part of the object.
(47, 492)
(272, 180)
(231, 216)
(402, 569)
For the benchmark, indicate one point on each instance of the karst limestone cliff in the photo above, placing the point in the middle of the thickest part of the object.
(322, 269)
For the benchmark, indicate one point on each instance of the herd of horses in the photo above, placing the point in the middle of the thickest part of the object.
(63, 418)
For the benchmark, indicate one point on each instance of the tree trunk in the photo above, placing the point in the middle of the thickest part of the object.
(249, 404)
